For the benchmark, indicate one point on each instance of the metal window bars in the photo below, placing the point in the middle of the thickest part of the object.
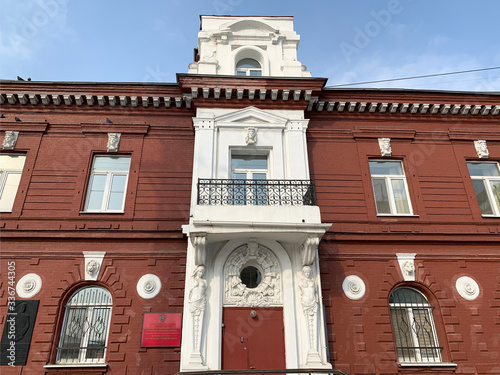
(239, 192)
(85, 329)
(414, 332)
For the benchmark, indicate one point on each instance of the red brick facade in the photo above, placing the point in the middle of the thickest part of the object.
(47, 230)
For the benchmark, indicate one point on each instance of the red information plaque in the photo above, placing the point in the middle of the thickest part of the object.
(161, 329)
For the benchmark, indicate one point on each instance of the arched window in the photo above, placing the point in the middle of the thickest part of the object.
(413, 326)
(85, 329)
(248, 67)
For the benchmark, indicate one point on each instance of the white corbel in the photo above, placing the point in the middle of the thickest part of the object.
(309, 248)
(199, 241)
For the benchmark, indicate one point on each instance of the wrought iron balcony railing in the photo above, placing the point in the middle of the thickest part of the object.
(237, 192)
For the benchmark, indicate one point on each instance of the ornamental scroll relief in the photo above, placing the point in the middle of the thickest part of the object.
(269, 290)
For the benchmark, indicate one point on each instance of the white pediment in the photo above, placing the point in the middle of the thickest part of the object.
(250, 115)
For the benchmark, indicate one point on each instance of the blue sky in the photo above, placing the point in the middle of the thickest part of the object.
(346, 41)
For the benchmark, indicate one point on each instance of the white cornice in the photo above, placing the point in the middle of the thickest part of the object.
(314, 103)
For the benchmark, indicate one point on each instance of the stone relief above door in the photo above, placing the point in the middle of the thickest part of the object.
(261, 273)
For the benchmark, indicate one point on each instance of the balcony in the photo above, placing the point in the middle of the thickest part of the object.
(239, 192)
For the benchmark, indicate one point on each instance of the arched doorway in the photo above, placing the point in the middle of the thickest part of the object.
(252, 321)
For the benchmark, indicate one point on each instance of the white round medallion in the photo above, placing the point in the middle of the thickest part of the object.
(29, 285)
(467, 288)
(148, 286)
(354, 287)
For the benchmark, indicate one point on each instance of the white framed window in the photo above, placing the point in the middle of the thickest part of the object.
(413, 327)
(11, 168)
(389, 187)
(108, 184)
(249, 174)
(485, 178)
(85, 329)
(248, 67)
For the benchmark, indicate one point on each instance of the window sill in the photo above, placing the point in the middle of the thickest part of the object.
(396, 215)
(102, 212)
(427, 364)
(82, 365)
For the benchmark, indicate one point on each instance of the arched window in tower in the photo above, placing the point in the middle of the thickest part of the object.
(85, 329)
(413, 326)
(248, 67)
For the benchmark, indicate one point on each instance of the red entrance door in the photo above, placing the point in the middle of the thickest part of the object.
(253, 342)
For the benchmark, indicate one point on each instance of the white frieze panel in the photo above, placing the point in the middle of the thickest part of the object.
(268, 292)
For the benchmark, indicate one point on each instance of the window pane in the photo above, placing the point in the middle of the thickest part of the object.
(248, 63)
(249, 161)
(96, 194)
(400, 198)
(495, 189)
(378, 167)
(482, 197)
(112, 163)
(97, 334)
(255, 73)
(402, 334)
(483, 169)
(241, 73)
(117, 192)
(71, 339)
(12, 162)
(9, 191)
(424, 331)
(381, 196)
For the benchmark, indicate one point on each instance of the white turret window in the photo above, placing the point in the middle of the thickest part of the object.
(248, 67)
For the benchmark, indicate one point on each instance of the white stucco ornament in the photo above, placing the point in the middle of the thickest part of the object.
(354, 287)
(467, 288)
(29, 285)
(481, 149)
(93, 264)
(268, 292)
(149, 286)
(9, 142)
(385, 146)
(407, 265)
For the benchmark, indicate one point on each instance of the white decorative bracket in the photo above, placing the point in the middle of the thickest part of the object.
(481, 149)
(407, 265)
(93, 263)
(9, 142)
(113, 142)
(385, 146)
(199, 243)
(309, 250)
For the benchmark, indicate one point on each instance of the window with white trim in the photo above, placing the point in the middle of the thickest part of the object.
(249, 173)
(108, 184)
(248, 67)
(11, 168)
(85, 329)
(485, 178)
(389, 187)
(413, 326)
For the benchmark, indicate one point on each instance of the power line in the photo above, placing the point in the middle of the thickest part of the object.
(416, 77)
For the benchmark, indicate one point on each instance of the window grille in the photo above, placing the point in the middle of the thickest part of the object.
(413, 326)
(86, 326)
